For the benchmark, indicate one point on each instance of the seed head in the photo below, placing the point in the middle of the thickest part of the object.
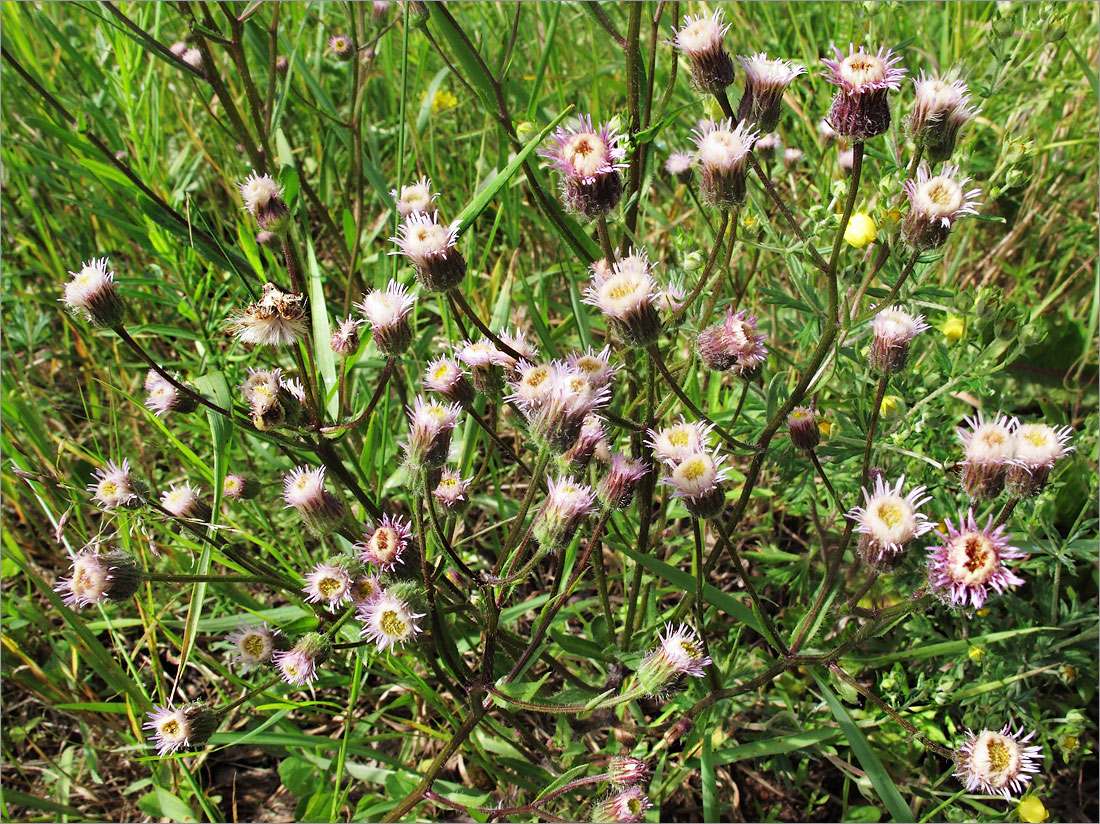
(276, 319)
(92, 295)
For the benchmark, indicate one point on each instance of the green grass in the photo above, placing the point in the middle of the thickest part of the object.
(112, 149)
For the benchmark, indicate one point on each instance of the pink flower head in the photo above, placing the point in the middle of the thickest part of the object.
(940, 108)
(723, 151)
(567, 503)
(176, 729)
(860, 108)
(114, 487)
(387, 311)
(254, 646)
(676, 442)
(696, 479)
(384, 545)
(415, 198)
(1038, 447)
(627, 806)
(304, 490)
(935, 203)
(596, 366)
(95, 577)
(388, 621)
(446, 377)
(997, 763)
(892, 330)
(298, 665)
(589, 159)
(616, 490)
(678, 652)
(970, 561)
(451, 489)
(627, 296)
(432, 248)
(345, 339)
(429, 440)
(328, 584)
(989, 449)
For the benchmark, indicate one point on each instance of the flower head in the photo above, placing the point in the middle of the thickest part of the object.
(970, 561)
(940, 109)
(997, 763)
(889, 521)
(1038, 447)
(802, 425)
(733, 344)
(616, 490)
(192, 57)
(185, 501)
(341, 46)
(387, 311)
(366, 588)
(345, 340)
(432, 249)
(935, 203)
(95, 577)
(678, 652)
(163, 397)
(625, 807)
(989, 449)
(298, 665)
(723, 151)
(700, 40)
(114, 488)
(188, 727)
(892, 330)
(263, 199)
(446, 377)
(627, 297)
(679, 165)
(240, 487)
(304, 490)
(253, 646)
(276, 319)
(328, 584)
(596, 366)
(626, 771)
(696, 479)
(415, 198)
(589, 158)
(517, 342)
(766, 80)
(451, 489)
(673, 443)
(485, 362)
(556, 399)
(92, 294)
(567, 503)
(384, 545)
(861, 108)
(388, 621)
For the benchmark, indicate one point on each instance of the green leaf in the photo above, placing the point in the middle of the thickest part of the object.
(326, 360)
(774, 745)
(876, 772)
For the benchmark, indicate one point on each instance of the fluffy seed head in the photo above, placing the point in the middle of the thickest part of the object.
(997, 763)
(970, 561)
(92, 294)
(276, 319)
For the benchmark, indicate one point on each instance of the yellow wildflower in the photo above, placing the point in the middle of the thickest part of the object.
(891, 405)
(953, 328)
(442, 101)
(861, 230)
(1032, 810)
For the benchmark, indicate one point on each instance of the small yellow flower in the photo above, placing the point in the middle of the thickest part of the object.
(891, 220)
(824, 427)
(891, 405)
(953, 328)
(975, 653)
(861, 230)
(984, 611)
(442, 101)
(1032, 810)
(749, 220)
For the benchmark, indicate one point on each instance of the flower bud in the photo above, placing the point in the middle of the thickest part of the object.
(616, 490)
(98, 577)
(893, 329)
(388, 314)
(567, 503)
(345, 340)
(802, 424)
(626, 771)
(700, 40)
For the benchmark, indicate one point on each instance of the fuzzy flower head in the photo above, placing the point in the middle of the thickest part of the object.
(679, 165)
(429, 440)
(192, 57)
(892, 330)
(567, 503)
(486, 363)
(889, 521)
(970, 561)
(676, 442)
(802, 426)
(733, 344)
(298, 665)
(188, 727)
(989, 448)
(517, 342)
(861, 108)
(625, 807)
(185, 501)
(95, 577)
(1038, 447)
(596, 366)
(940, 109)
(626, 771)
(341, 47)
(276, 319)
(384, 545)
(935, 203)
(533, 384)
(92, 294)
(415, 198)
(700, 41)
(387, 311)
(997, 763)
(446, 377)
(114, 487)
(627, 297)
(328, 584)
(723, 151)
(345, 339)
(616, 490)
(766, 80)
(557, 399)
(451, 490)
(366, 588)
(388, 621)
(589, 158)
(253, 646)
(432, 248)
(678, 652)
(304, 490)
(263, 199)
(592, 435)
(696, 479)
(162, 397)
